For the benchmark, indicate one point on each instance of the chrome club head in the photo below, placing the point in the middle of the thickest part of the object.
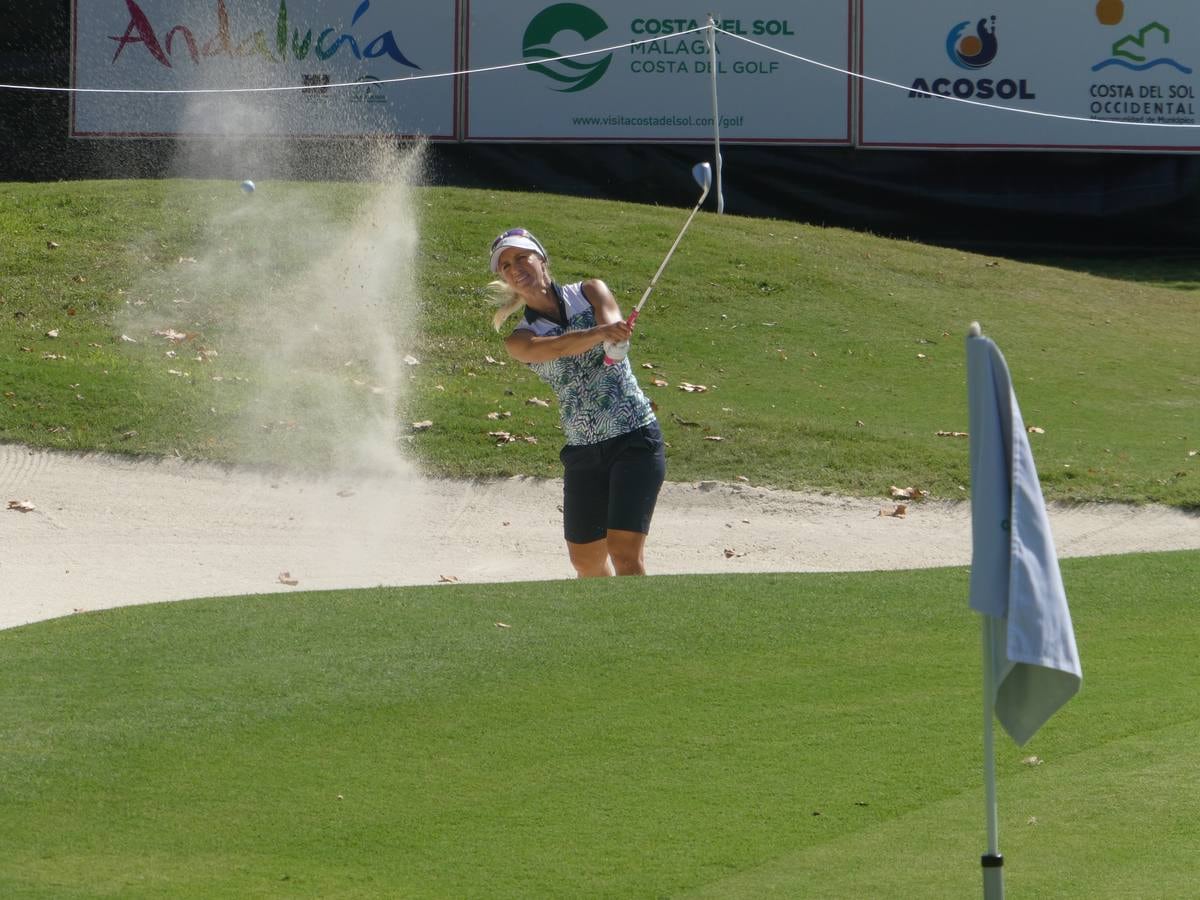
(702, 172)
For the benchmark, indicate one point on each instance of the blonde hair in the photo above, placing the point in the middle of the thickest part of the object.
(507, 299)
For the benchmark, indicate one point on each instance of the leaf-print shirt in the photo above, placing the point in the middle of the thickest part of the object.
(596, 402)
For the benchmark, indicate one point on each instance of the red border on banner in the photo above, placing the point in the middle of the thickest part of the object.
(72, 132)
(933, 145)
(845, 141)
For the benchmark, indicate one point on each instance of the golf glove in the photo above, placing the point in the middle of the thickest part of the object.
(614, 352)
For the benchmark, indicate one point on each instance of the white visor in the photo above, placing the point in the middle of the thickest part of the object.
(524, 241)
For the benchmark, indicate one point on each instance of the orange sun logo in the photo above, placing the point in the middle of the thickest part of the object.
(1110, 12)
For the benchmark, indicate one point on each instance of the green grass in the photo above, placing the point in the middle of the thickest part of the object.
(809, 340)
(778, 735)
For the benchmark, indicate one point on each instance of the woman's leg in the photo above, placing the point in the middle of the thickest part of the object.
(635, 478)
(585, 509)
(591, 559)
(626, 548)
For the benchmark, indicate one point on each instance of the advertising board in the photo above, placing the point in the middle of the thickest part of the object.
(334, 59)
(1110, 75)
(646, 73)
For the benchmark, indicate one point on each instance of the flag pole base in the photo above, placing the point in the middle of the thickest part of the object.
(993, 876)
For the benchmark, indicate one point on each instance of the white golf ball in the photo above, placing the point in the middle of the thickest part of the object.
(248, 186)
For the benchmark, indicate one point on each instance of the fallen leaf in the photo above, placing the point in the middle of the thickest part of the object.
(661, 382)
(127, 339)
(744, 479)
(955, 434)
(713, 437)
(422, 426)
(899, 512)
(1032, 761)
(1033, 429)
(730, 554)
(922, 356)
(21, 505)
(52, 245)
(128, 434)
(78, 279)
(537, 401)
(908, 493)
(494, 362)
(685, 422)
(53, 356)
(501, 437)
(171, 335)
(286, 578)
(503, 625)
(647, 365)
(53, 333)
(530, 439)
(411, 361)
(448, 579)
(692, 388)
(187, 260)
(499, 415)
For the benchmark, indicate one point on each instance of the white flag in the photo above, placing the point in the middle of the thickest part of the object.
(1014, 569)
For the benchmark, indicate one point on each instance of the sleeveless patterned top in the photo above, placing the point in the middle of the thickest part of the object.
(596, 402)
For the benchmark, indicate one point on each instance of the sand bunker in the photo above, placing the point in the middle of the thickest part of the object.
(109, 531)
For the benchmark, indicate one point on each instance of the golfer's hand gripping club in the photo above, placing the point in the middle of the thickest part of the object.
(615, 351)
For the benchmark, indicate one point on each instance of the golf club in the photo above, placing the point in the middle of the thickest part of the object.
(702, 173)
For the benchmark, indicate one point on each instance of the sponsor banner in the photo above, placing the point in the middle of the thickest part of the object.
(175, 45)
(1102, 63)
(661, 88)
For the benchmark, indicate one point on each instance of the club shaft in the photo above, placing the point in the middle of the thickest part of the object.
(667, 258)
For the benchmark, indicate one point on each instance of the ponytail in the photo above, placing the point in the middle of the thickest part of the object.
(507, 299)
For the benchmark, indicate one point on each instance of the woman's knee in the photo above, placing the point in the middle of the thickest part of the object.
(590, 560)
(626, 548)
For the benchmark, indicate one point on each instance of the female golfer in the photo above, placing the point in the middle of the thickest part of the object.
(613, 461)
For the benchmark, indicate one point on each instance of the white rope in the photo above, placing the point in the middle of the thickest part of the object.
(996, 106)
(345, 84)
(526, 63)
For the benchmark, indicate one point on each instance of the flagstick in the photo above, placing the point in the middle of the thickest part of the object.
(992, 861)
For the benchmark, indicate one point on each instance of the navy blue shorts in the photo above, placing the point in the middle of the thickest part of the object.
(612, 484)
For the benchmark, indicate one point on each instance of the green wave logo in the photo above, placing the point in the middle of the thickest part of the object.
(553, 21)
